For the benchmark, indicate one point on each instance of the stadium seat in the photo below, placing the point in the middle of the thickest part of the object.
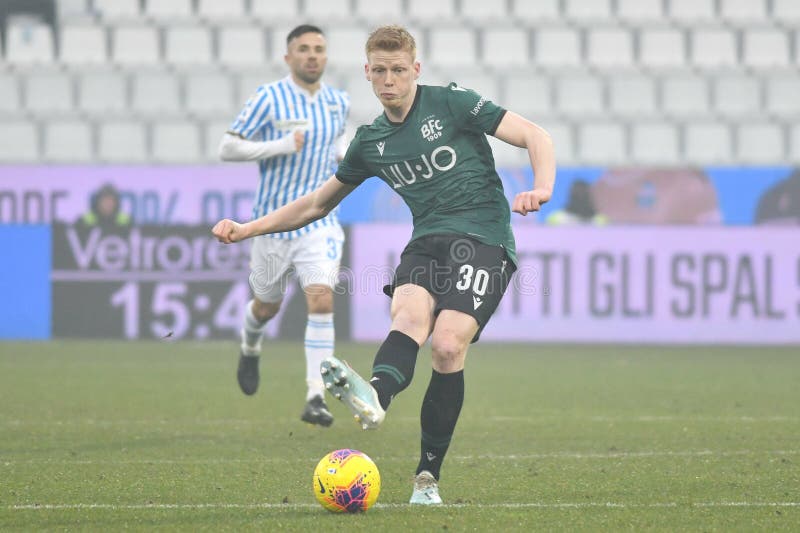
(328, 12)
(483, 13)
(117, 9)
(563, 139)
(122, 141)
(505, 47)
(451, 46)
(346, 48)
(83, 45)
(743, 12)
(507, 155)
(786, 12)
(534, 12)
(169, 9)
(383, 12)
(781, 96)
(19, 141)
(610, 47)
(102, 92)
(48, 93)
(579, 96)
(425, 11)
(737, 96)
(632, 96)
(364, 106)
(662, 48)
(68, 141)
(654, 143)
(213, 130)
(640, 11)
(72, 9)
(155, 93)
(214, 10)
(10, 94)
(528, 94)
(759, 143)
(285, 11)
(241, 46)
(176, 142)
(602, 143)
(187, 45)
(765, 48)
(684, 96)
(587, 11)
(557, 47)
(135, 45)
(692, 11)
(209, 94)
(794, 144)
(707, 143)
(28, 42)
(713, 48)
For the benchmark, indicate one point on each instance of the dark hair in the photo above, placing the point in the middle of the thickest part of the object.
(302, 29)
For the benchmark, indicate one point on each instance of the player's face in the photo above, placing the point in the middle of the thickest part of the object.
(306, 56)
(393, 76)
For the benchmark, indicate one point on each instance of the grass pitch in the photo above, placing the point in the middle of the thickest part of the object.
(143, 436)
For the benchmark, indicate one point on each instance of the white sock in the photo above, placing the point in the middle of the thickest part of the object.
(319, 345)
(252, 331)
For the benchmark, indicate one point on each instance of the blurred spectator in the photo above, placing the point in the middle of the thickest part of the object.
(780, 204)
(580, 209)
(657, 196)
(104, 210)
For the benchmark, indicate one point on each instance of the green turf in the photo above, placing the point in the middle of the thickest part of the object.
(144, 436)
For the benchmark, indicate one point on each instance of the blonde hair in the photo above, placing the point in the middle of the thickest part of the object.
(391, 38)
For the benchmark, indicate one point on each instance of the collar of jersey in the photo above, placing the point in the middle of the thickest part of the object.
(310, 97)
(410, 110)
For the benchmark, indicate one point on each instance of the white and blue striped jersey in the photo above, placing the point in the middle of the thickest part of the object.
(273, 112)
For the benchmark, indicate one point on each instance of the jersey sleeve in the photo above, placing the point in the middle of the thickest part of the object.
(254, 115)
(352, 170)
(473, 110)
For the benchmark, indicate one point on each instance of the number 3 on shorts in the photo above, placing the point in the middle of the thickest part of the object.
(334, 248)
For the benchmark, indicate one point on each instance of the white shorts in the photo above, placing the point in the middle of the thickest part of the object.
(314, 258)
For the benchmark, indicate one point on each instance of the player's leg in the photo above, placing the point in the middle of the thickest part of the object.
(317, 257)
(268, 278)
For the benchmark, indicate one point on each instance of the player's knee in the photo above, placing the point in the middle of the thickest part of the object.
(263, 311)
(448, 352)
(319, 299)
(414, 325)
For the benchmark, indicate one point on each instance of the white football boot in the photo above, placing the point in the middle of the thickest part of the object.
(354, 391)
(426, 490)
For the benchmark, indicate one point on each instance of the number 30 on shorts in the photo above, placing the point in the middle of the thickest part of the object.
(469, 277)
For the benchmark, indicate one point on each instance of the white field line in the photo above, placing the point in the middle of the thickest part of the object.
(491, 457)
(295, 506)
(513, 419)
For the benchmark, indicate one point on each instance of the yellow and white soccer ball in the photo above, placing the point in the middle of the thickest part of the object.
(347, 481)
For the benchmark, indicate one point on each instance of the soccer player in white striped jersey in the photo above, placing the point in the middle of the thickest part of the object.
(295, 129)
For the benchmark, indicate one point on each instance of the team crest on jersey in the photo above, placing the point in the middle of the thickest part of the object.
(381, 145)
(431, 129)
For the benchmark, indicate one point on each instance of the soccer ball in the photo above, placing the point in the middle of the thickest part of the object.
(346, 481)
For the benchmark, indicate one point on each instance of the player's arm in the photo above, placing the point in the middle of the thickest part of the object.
(523, 133)
(234, 147)
(293, 215)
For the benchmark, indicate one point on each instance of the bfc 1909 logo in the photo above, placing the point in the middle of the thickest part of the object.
(432, 129)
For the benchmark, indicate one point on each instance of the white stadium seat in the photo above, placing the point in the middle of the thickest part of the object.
(640, 11)
(72, 9)
(579, 96)
(452, 47)
(737, 96)
(274, 11)
(47, 93)
(714, 48)
(102, 92)
(654, 143)
(29, 42)
(692, 11)
(589, 11)
(187, 45)
(212, 131)
(209, 94)
(383, 12)
(155, 93)
(781, 96)
(169, 9)
(426, 11)
(708, 143)
(176, 142)
(135, 45)
(346, 48)
(68, 141)
(662, 48)
(609, 47)
(10, 94)
(765, 48)
(214, 10)
(685, 96)
(117, 9)
(507, 155)
(122, 141)
(557, 47)
(744, 12)
(786, 11)
(83, 45)
(241, 46)
(505, 47)
(760, 143)
(535, 12)
(602, 143)
(327, 11)
(563, 139)
(19, 142)
(632, 96)
(482, 12)
(794, 144)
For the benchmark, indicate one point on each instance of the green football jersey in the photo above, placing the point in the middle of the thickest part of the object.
(439, 161)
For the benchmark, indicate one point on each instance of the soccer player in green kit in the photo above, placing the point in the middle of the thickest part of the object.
(430, 146)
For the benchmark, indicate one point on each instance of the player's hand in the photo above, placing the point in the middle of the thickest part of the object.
(528, 201)
(227, 231)
(299, 139)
